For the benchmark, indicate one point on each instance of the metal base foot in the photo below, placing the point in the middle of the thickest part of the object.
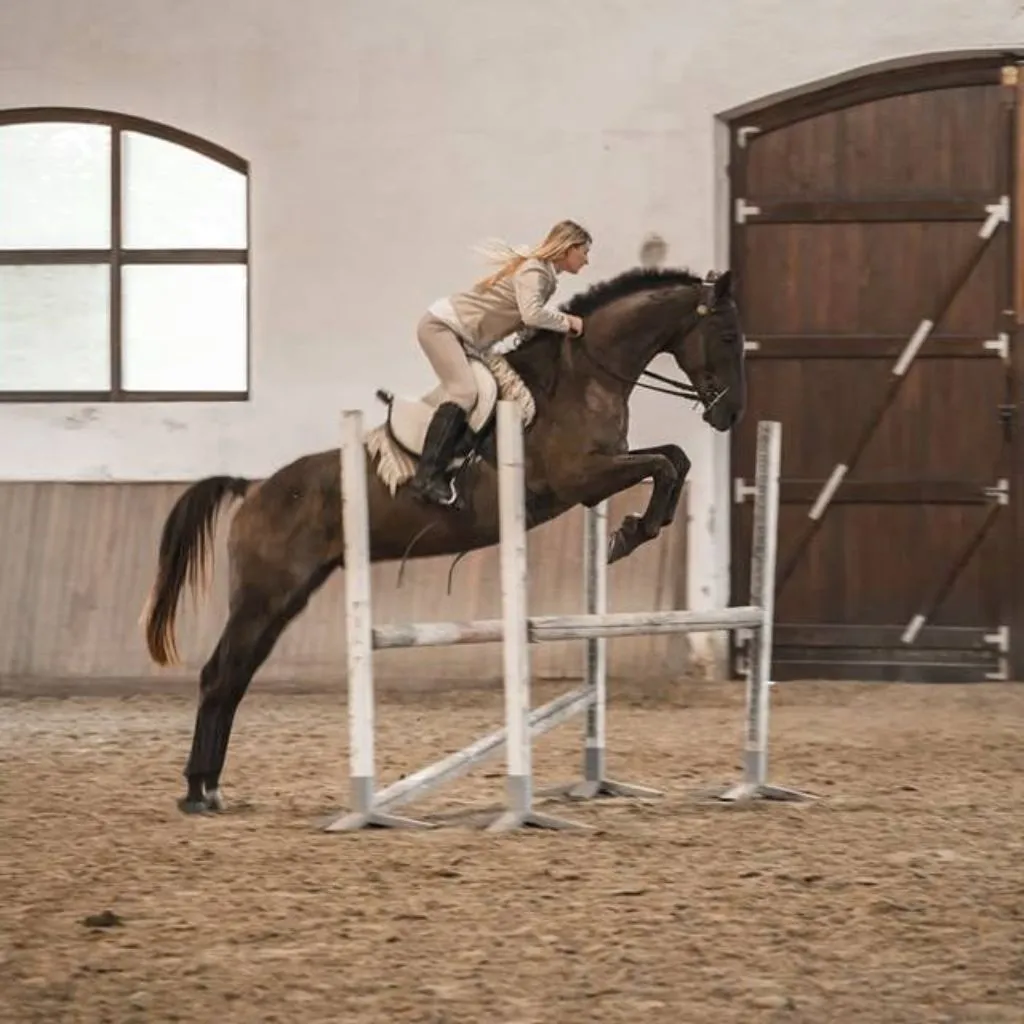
(596, 784)
(509, 821)
(744, 791)
(374, 819)
(593, 789)
(374, 816)
(519, 812)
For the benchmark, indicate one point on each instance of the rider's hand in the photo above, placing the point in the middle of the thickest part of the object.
(575, 325)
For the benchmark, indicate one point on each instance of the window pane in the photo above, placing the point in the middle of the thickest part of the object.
(177, 198)
(54, 328)
(54, 186)
(184, 328)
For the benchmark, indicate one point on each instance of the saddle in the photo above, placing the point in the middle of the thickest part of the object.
(408, 418)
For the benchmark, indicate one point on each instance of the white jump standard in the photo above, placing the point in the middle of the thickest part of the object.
(764, 548)
(359, 636)
(517, 631)
(595, 571)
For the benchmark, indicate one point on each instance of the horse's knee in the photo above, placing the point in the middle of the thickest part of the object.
(679, 459)
(667, 470)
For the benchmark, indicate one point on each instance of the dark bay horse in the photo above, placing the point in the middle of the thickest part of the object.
(285, 538)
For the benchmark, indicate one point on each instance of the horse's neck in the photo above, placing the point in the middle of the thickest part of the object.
(633, 334)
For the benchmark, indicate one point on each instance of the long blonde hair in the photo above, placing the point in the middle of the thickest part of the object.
(558, 241)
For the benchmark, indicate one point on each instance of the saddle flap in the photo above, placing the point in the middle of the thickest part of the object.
(408, 418)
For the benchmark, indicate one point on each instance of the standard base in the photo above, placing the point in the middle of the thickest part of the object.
(593, 789)
(374, 819)
(744, 791)
(595, 783)
(509, 821)
(370, 814)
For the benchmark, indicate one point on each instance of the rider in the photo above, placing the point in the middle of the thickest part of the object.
(513, 297)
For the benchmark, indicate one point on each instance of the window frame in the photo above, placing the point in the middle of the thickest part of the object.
(117, 256)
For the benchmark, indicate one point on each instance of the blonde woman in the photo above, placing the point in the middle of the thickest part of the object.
(513, 297)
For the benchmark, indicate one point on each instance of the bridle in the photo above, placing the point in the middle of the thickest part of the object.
(708, 396)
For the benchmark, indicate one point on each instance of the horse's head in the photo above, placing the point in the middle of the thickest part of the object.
(708, 347)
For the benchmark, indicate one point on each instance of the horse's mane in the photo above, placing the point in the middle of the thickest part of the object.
(629, 282)
(536, 353)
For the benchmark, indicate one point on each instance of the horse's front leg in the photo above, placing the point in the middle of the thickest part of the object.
(681, 461)
(596, 477)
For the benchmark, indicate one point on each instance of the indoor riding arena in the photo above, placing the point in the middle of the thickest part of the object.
(763, 674)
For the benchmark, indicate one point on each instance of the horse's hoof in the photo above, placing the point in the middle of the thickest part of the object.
(618, 547)
(187, 806)
(626, 539)
(214, 801)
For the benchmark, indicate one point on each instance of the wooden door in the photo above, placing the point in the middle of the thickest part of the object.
(873, 244)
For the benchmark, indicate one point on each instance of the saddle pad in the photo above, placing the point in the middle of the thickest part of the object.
(408, 418)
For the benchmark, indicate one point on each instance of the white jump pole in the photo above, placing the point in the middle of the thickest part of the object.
(355, 518)
(595, 783)
(764, 545)
(519, 810)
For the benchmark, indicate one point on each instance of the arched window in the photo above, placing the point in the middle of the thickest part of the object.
(123, 261)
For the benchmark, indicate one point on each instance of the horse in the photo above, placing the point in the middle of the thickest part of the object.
(285, 538)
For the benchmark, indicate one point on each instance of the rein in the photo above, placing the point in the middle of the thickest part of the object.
(678, 388)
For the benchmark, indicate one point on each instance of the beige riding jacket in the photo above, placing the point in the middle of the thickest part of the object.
(482, 318)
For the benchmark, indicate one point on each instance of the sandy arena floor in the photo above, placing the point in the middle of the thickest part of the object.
(899, 896)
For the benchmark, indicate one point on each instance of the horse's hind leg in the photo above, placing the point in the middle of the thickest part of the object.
(253, 628)
(222, 685)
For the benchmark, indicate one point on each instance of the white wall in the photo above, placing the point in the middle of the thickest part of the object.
(386, 136)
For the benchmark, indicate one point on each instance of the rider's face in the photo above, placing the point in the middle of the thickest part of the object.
(576, 259)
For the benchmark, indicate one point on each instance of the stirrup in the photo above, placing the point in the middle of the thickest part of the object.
(423, 491)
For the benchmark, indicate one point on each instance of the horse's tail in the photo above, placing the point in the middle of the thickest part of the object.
(186, 551)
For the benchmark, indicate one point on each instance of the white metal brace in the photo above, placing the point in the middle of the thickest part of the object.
(1000, 640)
(1000, 491)
(828, 490)
(741, 490)
(913, 628)
(743, 132)
(745, 210)
(998, 213)
(912, 347)
(751, 346)
(1000, 345)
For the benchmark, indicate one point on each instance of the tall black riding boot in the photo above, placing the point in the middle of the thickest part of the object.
(431, 482)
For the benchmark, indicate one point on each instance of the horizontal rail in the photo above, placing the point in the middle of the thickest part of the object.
(436, 634)
(427, 779)
(583, 627)
(567, 627)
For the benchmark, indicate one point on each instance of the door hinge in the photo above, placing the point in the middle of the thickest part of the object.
(1007, 414)
(1000, 640)
(1000, 490)
(998, 213)
(1001, 345)
(745, 210)
(741, 490)
(743, 132)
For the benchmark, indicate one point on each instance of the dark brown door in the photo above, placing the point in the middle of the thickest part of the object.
(873, 243)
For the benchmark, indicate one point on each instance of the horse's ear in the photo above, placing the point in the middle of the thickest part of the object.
(723, 286)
